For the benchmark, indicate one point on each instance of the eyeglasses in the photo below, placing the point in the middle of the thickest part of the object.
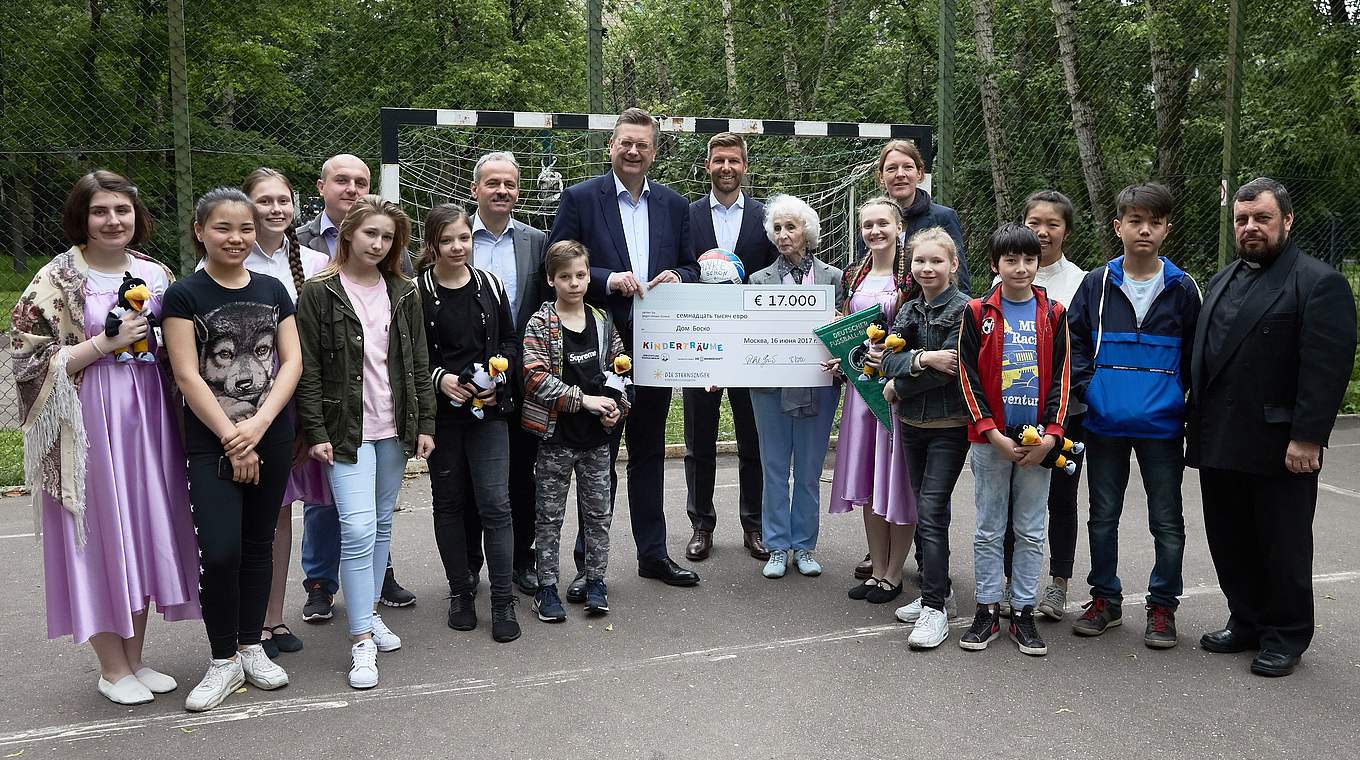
(641, 147)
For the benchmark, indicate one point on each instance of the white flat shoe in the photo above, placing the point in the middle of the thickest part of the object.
(128, 691)
(157, 682)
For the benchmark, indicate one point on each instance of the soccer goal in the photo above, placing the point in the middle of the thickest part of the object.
(428, 155)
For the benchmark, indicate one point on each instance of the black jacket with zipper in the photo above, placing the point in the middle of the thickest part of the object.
(330, 395)
(495, 331)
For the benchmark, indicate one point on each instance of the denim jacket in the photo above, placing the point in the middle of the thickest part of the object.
(930, 394)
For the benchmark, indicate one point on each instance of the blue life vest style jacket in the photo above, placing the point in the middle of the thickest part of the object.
(1133, 377)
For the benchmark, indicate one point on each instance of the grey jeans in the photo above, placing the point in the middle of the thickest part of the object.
(470, 467)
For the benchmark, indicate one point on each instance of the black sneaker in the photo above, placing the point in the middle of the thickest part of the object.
(1161, 627)
(1101, 614)
(462, 612)
(984, 630)
(1025, 634)
(527, 581)
(504, 625)
(597, 598)
(393, 595)
(576, 592)
(318, 608)
(548, 605)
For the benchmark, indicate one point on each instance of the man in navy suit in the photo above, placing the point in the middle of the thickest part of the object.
(729, 219)
(637, 233)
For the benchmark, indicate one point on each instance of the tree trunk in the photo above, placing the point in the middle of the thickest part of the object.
(628, 82)
(665, 93)
(983, 22)
(1338, 9)
(1083, 124)
(793, 89)
(730, 56)
(90, 55)
(1170, 92)
(833, 14)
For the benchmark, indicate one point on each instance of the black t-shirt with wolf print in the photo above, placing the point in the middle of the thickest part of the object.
(235, 331)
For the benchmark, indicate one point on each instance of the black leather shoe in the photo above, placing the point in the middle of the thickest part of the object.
(1225, 642)
(527, 581)
(864, 569)
(576, 592)
(699, 546)
(755, 545)
(668, 572)
(1274, 664)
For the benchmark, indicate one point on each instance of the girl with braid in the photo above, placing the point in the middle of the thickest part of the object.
(290, 264)
(871, 471)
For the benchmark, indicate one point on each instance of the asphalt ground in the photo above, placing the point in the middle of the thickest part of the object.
(739, 667)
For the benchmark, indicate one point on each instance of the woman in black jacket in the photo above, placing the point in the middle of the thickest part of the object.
(474, 354)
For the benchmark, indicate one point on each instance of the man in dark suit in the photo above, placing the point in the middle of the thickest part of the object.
(637, 233)
(514, 252)
(729, 219)
(1272, 355)
(344, 179)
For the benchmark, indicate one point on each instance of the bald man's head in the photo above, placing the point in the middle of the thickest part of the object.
(344, 178)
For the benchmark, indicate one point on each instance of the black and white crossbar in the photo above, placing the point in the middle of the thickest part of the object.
(393, 119)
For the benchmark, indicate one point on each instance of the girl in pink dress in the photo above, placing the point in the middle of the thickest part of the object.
(871, 471)
(101, 442)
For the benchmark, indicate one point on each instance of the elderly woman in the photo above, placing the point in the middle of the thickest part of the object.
(794, 423)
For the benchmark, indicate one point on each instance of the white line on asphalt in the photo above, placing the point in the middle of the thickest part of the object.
(266, 708)
(1339, 490)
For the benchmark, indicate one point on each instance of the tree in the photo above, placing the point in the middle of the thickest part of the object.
(1083, 121)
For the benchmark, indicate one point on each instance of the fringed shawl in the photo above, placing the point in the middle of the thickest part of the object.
(47, 321)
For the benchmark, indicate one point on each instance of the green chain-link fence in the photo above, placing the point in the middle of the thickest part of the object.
(1082, 95)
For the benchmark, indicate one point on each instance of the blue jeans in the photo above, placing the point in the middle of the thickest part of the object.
(789, 521)
(1162, 462)
(365, 495)
(1002, 486)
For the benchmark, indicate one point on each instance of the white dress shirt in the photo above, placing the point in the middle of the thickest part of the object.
(727, 220)
(636, 228)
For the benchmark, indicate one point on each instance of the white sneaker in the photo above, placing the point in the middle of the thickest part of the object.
(932, 627)
(223, 677)
(383, 637)
(158, 683)
(261, 672)
(363, 670)
(912, 612)
(126, 691)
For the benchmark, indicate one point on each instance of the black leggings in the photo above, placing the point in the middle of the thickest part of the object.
(234, 523)
(1062, 514)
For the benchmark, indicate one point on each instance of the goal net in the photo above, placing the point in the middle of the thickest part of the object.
(428, 156)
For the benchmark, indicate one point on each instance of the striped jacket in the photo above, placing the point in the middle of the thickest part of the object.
(545, 393)
(981, 348)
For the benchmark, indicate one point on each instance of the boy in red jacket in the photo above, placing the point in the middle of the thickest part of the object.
(1013, 361)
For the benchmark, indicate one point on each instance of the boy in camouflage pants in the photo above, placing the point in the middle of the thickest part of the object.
(567, 346)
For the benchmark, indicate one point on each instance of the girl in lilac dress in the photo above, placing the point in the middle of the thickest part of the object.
(871, 471)
(101, 442)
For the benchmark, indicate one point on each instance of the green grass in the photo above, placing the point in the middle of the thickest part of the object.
(11, 458)
(7, 300)
(675, 421)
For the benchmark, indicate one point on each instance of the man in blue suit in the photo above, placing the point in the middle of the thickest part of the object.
(729, 219)
(637, 233)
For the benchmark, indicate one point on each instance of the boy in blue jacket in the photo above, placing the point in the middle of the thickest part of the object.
(1132, 323)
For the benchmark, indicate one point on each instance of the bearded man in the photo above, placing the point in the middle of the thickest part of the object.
(1273, 351)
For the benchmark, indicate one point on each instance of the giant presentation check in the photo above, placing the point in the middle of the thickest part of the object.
(732, 336)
